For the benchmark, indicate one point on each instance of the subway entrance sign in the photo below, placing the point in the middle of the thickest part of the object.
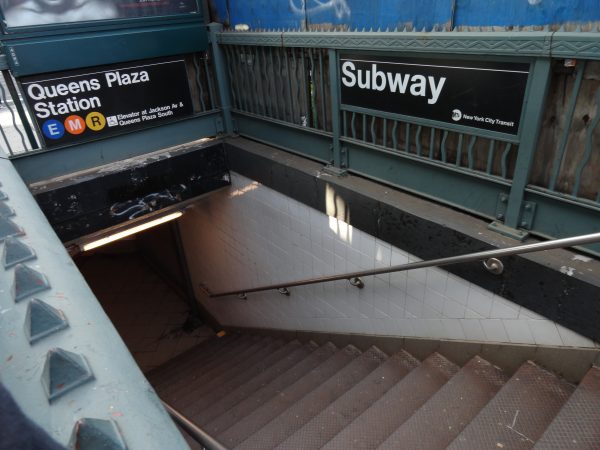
(83, 105)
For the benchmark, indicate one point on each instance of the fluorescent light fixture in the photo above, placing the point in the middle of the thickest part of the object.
(130, 231)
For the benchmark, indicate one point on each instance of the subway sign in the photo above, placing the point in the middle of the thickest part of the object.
(480, 94)
(84, 105)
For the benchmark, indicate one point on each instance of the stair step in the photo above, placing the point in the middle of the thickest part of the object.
(198, 367)
(284, 399)
(204, 371)
(204, 415)
(519, 413)
(214, 395)
(437, 423)
(243, 365)
(293, 418)
(577, 425)
(205, 350)
(245, 407)
(375, 424)
(318, 431)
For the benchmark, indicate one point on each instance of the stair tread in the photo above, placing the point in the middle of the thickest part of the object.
(244, 364)
(266, 393)
(261, 364)
(321, 428)
(577, 424)
(293, 418)
(384, 416)
(287, 397)
(235, 396)
(205, 349)
(199, 367)
(519, 413)
(437, 423)
(204, 372)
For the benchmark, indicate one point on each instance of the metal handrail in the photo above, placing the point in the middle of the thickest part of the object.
(490, 256)
(198, 434)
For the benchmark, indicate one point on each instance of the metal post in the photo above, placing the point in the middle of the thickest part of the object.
(530, 129)
(223, 82)
(339, 163)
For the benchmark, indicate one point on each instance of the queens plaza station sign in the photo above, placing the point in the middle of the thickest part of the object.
(485, 95)
(88, 104)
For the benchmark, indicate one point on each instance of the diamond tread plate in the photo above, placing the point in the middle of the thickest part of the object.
(241, 366)
(519, 413)
(313, 403)
(340, 413)
(217, 393)
(243, 391)
(250, 424)
(203, 352)
(383, 417)
(207, 371)
(446, 414)
(577, 425)
(269, 391)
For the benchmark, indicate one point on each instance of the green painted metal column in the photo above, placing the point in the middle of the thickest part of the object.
(223, 82)
(339, 162)
(530, 130)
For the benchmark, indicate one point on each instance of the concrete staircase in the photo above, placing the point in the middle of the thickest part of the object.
(253, 392)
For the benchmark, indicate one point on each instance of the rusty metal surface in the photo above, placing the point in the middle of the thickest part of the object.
(266, 393)
(381, 419)
(577, 425)
(446, 414)
(249, 387)
(181, 386)
(519, 413)
(206, 351)
(293, 418)
(329, 422)
(244, 365)
(282, 400)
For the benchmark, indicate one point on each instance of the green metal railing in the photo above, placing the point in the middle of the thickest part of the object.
(285, 91)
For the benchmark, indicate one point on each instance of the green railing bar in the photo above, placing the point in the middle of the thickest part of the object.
(470, 152)
(222, 75)
(353, 124)
(267, 87)
(490, 157)
(20, 110)
(313, 87)
(443, 146)
(306, 89)
(418, 139)
(209, 75)
(373, 131)
(199, 82)
(533, 111)
(364, 127)
(335, 108)
(459, 150)
(504, 160)
(395, 135)
(431, 142)
(274, 84)
(298, 88)
(289, 85)
(322, 89)
(384, 132)
(407, 139)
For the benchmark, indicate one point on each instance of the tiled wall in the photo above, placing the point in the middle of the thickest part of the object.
(251, 235)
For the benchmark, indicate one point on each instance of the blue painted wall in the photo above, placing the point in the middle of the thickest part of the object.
(358, 14)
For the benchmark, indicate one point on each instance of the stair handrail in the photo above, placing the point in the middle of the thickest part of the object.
(490, 258)
(198, 434)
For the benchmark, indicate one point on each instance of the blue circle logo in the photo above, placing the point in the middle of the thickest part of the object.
(53, 129)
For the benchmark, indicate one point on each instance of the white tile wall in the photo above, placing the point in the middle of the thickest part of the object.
(251, 235)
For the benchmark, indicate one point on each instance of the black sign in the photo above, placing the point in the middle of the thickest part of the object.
(82, 105)
(486, 95)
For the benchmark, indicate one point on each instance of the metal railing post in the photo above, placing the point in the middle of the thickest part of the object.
(334, 88)
(222, 76)
(530, 131)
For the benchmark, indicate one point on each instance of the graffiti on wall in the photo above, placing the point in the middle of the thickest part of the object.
(340, 8)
